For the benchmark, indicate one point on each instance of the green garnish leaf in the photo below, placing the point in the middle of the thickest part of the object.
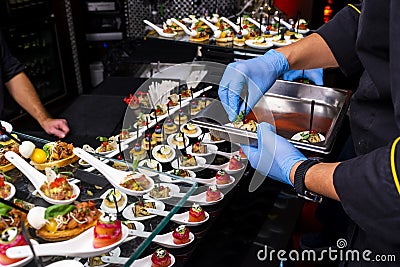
(58, 209)
(4, 209)
(102, 138)
(47, 148)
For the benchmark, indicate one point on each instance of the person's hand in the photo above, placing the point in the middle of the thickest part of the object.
(258, 74)
(57, 127)
(275, 156)
(314, 75)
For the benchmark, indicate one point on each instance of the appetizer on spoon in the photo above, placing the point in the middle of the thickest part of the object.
(168, 32)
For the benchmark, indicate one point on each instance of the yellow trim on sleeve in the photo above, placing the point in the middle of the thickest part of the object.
(355, 8)
(393, 164)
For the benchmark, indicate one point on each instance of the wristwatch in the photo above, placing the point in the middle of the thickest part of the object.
(299, 185)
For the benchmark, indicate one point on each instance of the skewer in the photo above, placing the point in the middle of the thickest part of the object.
(298, 22)
(312, 114)
(25, 234)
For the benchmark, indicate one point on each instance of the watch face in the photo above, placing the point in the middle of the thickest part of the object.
(310, 196)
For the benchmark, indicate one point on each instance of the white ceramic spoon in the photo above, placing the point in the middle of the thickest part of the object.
(37, 178)
(79, 246)
(179, 218)
(185, 29)
(201, 162)
(146, 261)
(159, 30)
(263, 28)
(212, 181)
(215, 29)
(224, 167)
(289, 26)
(233, 25)
(165, 240)
(12, 190)
(114, 176)
(200, 198)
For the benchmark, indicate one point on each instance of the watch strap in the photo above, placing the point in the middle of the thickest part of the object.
(299, 184)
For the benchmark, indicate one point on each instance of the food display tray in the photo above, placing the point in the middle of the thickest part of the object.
(287, 106)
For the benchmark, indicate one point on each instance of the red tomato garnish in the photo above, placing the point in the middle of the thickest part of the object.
(2, 180)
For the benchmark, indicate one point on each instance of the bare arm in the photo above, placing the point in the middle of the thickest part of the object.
(22, 90)
(310, 53)
(319, 179)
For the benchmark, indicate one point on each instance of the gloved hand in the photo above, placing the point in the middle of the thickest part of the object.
(257, 73)
(315, 75)
(275, 156)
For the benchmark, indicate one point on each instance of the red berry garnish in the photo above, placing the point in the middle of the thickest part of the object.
(313, 132)
(188, 156)
(198, 143)
(240, 32)
(246, 120)
(120, 157)
(158, 126)
(137, 145)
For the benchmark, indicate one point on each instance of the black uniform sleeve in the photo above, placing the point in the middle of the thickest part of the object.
(367, 189)
(9, 65)
(340, 34)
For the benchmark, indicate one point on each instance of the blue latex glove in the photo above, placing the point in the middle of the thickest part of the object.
(257, 73)
(275, 156)
(315, 75)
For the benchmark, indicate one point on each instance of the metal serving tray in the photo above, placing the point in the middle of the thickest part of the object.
(287, 106)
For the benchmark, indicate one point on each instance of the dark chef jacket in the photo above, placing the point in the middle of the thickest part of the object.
(9, 67)
(370, 43)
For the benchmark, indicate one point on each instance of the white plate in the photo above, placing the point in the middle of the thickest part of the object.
(169, 141)
(113, 210)
(278, 44)
(79, 246)
(83, 163)
(253, 44)
(212, 181)
(146, 261)
(211, 149)
(129, 215)
(12, 190)
(201, 199)
(168, 179)
(173, 190)
(69, 263)
(200, 161)
(192, 135)
(24, 261)
(104, 153)
(297, 137)
(158, 147)
(207, 139)
(148, 172)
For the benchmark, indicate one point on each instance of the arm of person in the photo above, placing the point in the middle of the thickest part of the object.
(22, 90)
(367, 186)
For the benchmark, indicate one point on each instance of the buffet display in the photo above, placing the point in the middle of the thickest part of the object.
(157, 174)
(165, 156)
(245, 31)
